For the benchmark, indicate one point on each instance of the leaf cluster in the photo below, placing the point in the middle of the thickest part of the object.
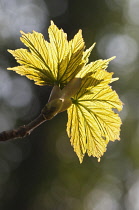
(79, 87)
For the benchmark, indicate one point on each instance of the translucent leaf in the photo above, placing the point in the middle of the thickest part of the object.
(83, 133)
(81, 88)
(91, 121)
(51, 63)
(95, 66)
(87, 53)
(32, 67)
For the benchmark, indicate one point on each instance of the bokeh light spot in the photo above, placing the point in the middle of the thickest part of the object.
(21, 15)
(131, 12)
(5, 84)
(21, 93)
(122, 46)
(131, 199)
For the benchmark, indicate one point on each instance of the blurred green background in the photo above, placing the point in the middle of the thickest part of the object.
(42, 171)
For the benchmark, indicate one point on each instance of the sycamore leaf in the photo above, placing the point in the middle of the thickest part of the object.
(95, 66)
(80, 88)
(51, 63)
(91, 121)
(87, 53)
(31, 67)
(68, 55)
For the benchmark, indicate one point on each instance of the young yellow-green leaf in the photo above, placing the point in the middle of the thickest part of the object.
(32, 67)
(95, 66)
(83, 89)
(51, 63)
(87, 53)
(68, 55)
(91, 121)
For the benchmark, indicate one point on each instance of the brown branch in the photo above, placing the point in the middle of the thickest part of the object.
(47, 113)
(22, 131)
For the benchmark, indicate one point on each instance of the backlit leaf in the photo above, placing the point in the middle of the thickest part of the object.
(80, 88)
(91, 121)
(95, 66)
(51, 63)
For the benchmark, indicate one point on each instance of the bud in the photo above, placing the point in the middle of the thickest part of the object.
(55, 93)
(60, 100)
(52, 108)
(71, 88)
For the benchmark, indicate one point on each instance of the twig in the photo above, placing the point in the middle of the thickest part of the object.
(47, 113)
(22, 131)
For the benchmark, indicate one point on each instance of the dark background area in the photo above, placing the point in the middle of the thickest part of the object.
(42, 171)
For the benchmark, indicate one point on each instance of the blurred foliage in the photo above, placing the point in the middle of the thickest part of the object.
(42, 171)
